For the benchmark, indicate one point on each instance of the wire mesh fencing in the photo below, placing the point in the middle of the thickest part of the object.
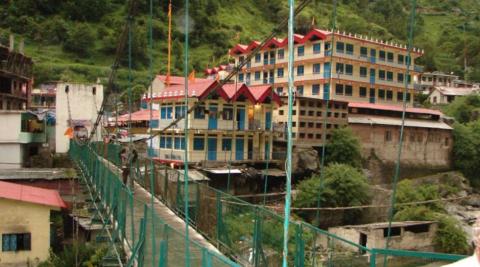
(147, 239)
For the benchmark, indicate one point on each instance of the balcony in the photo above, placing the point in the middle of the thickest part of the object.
(26, 137)
(418, 68)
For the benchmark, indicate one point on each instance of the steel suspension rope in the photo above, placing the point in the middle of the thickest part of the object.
(270, 147)
(231, 143)
(402, 127)
(116, 63)
(185, 131)
(150, 74)
(238, 68)
(288, 163)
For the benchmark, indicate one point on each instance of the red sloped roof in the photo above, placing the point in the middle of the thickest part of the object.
(261, 92)
(233, 93)
(198, 89)
(31, 194)
(394, 108)
(300, 39)
(141, 115)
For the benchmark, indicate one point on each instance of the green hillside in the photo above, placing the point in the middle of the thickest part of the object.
(76, 39)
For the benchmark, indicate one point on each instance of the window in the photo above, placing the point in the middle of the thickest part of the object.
(316, 48)
(311, 113)
(280, 90)
(300, 51)
(388, 136)
(400, 77)
(390, 57)
(349, 69)
(381, 74)
(199, 143)
(394, 231)
(349, 48)
(199, 112)
(226, 144)
(348, 90)
(339, 89)
(162, 142)
(408, 96)
(401, 59)
(419, 228)
(180, 111)
(166, 113)
(280, 112)
(381, 55)
(257, 75)
(389, 95)
(300, 70)
(339, 68)
(363, 52)
(247, 80)
(381, 93)
(316, 68)
(389, 76)
(280, 72)
(227, 113)
(280, 53)
(315, 89)
(363, 92)
(399, 97)
(302, 123)
(363, 72)
(318, 136)
(340, 47)
(318, 125)
(258, 58)
(240, 77)
(168, 142)
(179, 143)
(300, 90)
(16, 242)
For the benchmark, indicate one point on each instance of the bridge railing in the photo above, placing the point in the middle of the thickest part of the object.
(252, 234)
(147, 238)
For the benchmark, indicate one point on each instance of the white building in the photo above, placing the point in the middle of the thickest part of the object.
(445, 95)
(81, 102)
(21, 137)
(428, 80)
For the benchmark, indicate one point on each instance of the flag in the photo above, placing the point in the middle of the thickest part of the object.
(191, 77)
(69, 132)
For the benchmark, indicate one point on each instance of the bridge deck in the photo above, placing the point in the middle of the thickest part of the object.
(176, 253)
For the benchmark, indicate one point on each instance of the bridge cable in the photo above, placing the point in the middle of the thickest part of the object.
(185, 131)
(402, 127)
(288, 163)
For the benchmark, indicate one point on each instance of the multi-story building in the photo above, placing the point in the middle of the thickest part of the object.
(428, 141)
(22, 137)
(15, 78)
(44, 96)
(428, 80)
(362, 69)
(307, 120)
(231, 123)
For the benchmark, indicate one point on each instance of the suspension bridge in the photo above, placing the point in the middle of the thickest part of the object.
(165, 218)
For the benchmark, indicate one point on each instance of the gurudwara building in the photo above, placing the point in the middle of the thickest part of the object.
(362, 69)
(232, 122)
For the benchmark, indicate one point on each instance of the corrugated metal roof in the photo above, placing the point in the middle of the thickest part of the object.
(31, 194)
(455, 91)
(373, 120)
(393, 108)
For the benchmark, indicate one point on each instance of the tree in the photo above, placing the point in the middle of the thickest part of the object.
(465, 109)
(343, 185)
(344, 147)
(466, 150)
(80, 39)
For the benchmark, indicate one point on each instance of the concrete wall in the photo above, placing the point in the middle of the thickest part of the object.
(11, 155)
(25, 217)
(11, 124)
(422, 146)
(83, 106)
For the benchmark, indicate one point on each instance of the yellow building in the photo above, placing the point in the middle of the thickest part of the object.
(25, 223)
(364, 70)
(232, 123)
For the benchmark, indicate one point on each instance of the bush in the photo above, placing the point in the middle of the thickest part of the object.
(466, 150)
(344, 147)
(343, 186)
(80, 39)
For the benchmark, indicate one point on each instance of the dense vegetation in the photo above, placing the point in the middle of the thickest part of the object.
(450, 237)
(466, 133)
(76, 40)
